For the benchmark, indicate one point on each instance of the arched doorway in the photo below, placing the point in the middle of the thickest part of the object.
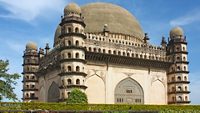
(129, 91)
(53, 93)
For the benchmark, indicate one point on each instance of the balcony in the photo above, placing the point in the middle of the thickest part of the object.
(73, 86)
(180, 81)
(178, 92)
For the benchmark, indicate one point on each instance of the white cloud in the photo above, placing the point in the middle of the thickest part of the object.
(189, 18)
(29, 10)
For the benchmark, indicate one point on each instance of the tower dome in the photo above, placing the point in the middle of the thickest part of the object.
(72, 8)
(176, 31)
(31, 46)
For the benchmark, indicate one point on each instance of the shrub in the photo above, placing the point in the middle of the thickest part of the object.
(77, 97)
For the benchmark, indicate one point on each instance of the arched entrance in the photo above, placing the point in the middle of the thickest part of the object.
(129, 91)
(53, 93)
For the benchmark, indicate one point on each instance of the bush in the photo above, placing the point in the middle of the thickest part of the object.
(120, 108)
(77, 97)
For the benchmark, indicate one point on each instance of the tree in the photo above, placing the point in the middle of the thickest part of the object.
(7, 81)
(77, 97)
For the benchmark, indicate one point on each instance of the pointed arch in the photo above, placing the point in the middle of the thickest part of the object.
(129, 91)
(53, 92)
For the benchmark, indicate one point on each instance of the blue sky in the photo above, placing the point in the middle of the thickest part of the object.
(22, 21)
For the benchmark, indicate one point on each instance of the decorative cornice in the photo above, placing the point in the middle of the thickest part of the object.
(72, 47)
(73, 86)
(29, 72)
(182, 62)
(174, 72)
(177, 52)
(29, 80)
(35, 64)
(29, 89)
(73, 60)
(124, 60)
(72, 20)
(178, 92)
(73, 34)
(176, 82)
(72, 73)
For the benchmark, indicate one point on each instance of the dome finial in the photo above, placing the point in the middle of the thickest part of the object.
(105, 28)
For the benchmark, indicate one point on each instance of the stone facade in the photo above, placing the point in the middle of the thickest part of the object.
(111, 65)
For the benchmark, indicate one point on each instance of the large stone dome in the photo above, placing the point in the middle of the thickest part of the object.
(97, 15)
(118, 19)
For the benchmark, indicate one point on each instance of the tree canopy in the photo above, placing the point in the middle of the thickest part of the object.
(7, 82)
(76, 96)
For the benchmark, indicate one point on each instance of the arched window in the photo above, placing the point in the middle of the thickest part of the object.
(180, 98)
(119, 53)
(185, 78)
(179, 78)
(77, 55)
(145, 56)
(69, 68)
(186, 88)
(69, 55)
(184, 68)
(69, 43)
(76, 30)
(77, 68)
(77, 43)
(183, 48)
(27, 95)
(69, 29)
(104, 51)
(178, 68)
(124, 53)
(177, 58)
(141, 56)
(114, 52)
(186, 98)
(184, 59)
(99, 50)
(77, 81)
(69, 81)
(109, 51)
(95, 50)
(90, 49)
(132, 54)
(128, 54)
(179, 88)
